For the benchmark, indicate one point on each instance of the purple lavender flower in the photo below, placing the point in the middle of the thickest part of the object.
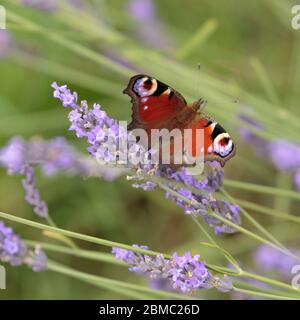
(146, 186)
(226, 210)
(184, 177)
(161, 284)
(14, 251)
(186, 273)
(53, 156)
(37, 260)
(270, 259)
(32, 195)
(285, 155)
(5, 43)
(62, 93)
(214, 176)
(203, 204)
(104, 134)
(13, 155)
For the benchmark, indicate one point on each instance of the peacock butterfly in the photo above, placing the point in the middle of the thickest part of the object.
(158, 106)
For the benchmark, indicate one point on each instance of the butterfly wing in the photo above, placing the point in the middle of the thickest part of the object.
(218, 144)
(155, 105)
(153, 101)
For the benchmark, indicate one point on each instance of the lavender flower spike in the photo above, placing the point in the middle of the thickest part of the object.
(185, 273)
(14, 251)
(32, 195)
(62, 93)
(103, 133)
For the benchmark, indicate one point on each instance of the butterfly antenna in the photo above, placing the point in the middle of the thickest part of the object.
(198, 79)
(201, 102)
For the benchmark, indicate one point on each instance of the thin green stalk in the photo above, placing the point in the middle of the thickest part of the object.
(253, 221)
(283, 181)
(265, 81)
(72, 45)
(263, 279)
(263, 294)
(86, 254)
(64, 239)
(53, 266)
(214, 244)
(127, 292)
(109, 258)
(269, 211)
(198, 38)
(269, 281)
(76, 235)
(208, 236)
(262, 189)
(66, 73)
(244, 284)
(231, 224)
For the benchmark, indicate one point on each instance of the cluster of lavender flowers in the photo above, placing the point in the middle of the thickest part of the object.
(284, 155)
(203, 202)
(270, 259)
(14, 251)
(106, 138)
(186, 273)
(52, 156)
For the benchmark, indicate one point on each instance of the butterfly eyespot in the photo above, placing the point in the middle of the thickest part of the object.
(223, 145)
(145, 86)
(224, 141)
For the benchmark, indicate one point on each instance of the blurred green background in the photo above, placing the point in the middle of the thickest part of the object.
(227, 38)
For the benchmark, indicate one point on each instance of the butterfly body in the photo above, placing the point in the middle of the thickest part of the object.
(158, 106)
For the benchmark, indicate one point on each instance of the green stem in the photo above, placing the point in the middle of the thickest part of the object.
(262, 189)
(86, 254)
(230, 223)
(283, 181)
(109, 258)
(253, 221)
(263, 294)
(71, 45)
(262, 209)
(64, 239)
(197, 39)
(53, 266)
